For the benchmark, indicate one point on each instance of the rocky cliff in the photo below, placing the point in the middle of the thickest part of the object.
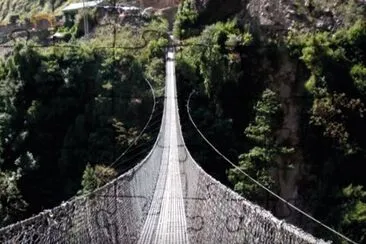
(284, 14)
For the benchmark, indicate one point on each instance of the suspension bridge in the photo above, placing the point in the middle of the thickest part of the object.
(166, 198)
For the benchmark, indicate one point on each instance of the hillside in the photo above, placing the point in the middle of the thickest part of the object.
(68, 112)
(26, 8)
(280, 91)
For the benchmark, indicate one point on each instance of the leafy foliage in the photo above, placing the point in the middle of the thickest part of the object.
(95, 177)
(229, 67)
(262, 157)
(11, 202)
(358, 73)
(354, 212)
(185, 20)
(216, 53)
(224, 63)
(336, 116)
(64, 108)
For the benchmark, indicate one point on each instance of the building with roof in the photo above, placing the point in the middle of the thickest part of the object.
(75, 7)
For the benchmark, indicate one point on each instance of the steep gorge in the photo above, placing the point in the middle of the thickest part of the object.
(304, 52)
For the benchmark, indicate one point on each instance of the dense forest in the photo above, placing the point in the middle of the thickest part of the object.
(286, 106)
(69, 111)
(284, 100)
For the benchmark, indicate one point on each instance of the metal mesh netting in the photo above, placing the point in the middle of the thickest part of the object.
(216, 214)
(140, 205)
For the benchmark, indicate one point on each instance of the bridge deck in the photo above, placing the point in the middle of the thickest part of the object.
(166, 221)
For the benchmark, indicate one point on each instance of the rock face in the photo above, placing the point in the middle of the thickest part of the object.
(283, 14)
(284, 75)
(286, 82)
(214, 10)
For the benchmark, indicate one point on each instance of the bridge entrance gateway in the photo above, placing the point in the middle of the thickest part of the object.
(166, 198)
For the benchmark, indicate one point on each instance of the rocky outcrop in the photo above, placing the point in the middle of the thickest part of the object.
(283, 15)
(169, 14)
(165, 8)
(289, 14)
(290, 168)
(216, 10)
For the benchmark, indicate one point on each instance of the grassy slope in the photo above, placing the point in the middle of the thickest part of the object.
(26, 8)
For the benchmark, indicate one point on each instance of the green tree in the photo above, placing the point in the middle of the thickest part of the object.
(334, 136)
(12, 205)
(262, 157)
(185, 20)
(218, 56)
(95, 177)
(353, 213)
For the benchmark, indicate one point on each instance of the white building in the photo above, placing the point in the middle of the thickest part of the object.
(75, 7)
